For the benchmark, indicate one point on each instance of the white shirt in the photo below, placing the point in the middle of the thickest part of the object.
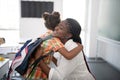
(74, 69)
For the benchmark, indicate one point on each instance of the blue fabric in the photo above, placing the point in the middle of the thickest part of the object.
(24, 65)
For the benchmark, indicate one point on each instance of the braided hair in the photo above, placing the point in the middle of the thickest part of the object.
(75, 29)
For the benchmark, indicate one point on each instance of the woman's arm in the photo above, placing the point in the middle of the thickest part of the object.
(70, 54)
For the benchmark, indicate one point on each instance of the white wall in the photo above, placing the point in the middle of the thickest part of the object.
(31, 28)
(91, 31)
(9, 14)
(9, 20)
(34, 27)
(106, 48)
(76, 9)
(109, 50)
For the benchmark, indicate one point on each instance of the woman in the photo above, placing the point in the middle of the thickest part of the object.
(74, 69)
(53, 44)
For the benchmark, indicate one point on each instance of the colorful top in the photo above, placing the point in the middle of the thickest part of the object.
(53, 44)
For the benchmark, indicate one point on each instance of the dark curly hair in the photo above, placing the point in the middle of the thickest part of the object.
(51, 20)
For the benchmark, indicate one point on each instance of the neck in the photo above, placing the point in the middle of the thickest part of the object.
(64, 40)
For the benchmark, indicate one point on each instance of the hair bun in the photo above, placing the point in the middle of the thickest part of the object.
(51, 19)
(56, 14)
(45, 15)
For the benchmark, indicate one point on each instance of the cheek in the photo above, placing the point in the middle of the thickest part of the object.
(62, 34)
(59, 34)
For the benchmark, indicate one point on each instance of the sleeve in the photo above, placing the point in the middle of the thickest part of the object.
(57, 44)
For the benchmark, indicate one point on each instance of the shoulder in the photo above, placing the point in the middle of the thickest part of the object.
(56, 39)
(56, 42)
(70, 44)
(46, 34)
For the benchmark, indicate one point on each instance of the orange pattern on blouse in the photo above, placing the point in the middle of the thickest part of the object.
(53, 44)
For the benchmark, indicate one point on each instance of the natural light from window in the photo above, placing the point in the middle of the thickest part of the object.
(75, 9)
(9, 20)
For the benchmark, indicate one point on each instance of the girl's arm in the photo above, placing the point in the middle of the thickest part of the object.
(63, 51)
(70, 54)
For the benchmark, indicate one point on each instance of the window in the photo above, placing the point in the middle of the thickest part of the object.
(72, 12)
(9, 20)
(35, 8)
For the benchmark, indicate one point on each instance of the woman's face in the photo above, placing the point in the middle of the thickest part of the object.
(62, 31)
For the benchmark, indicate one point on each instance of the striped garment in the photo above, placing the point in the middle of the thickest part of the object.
(19, 57)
